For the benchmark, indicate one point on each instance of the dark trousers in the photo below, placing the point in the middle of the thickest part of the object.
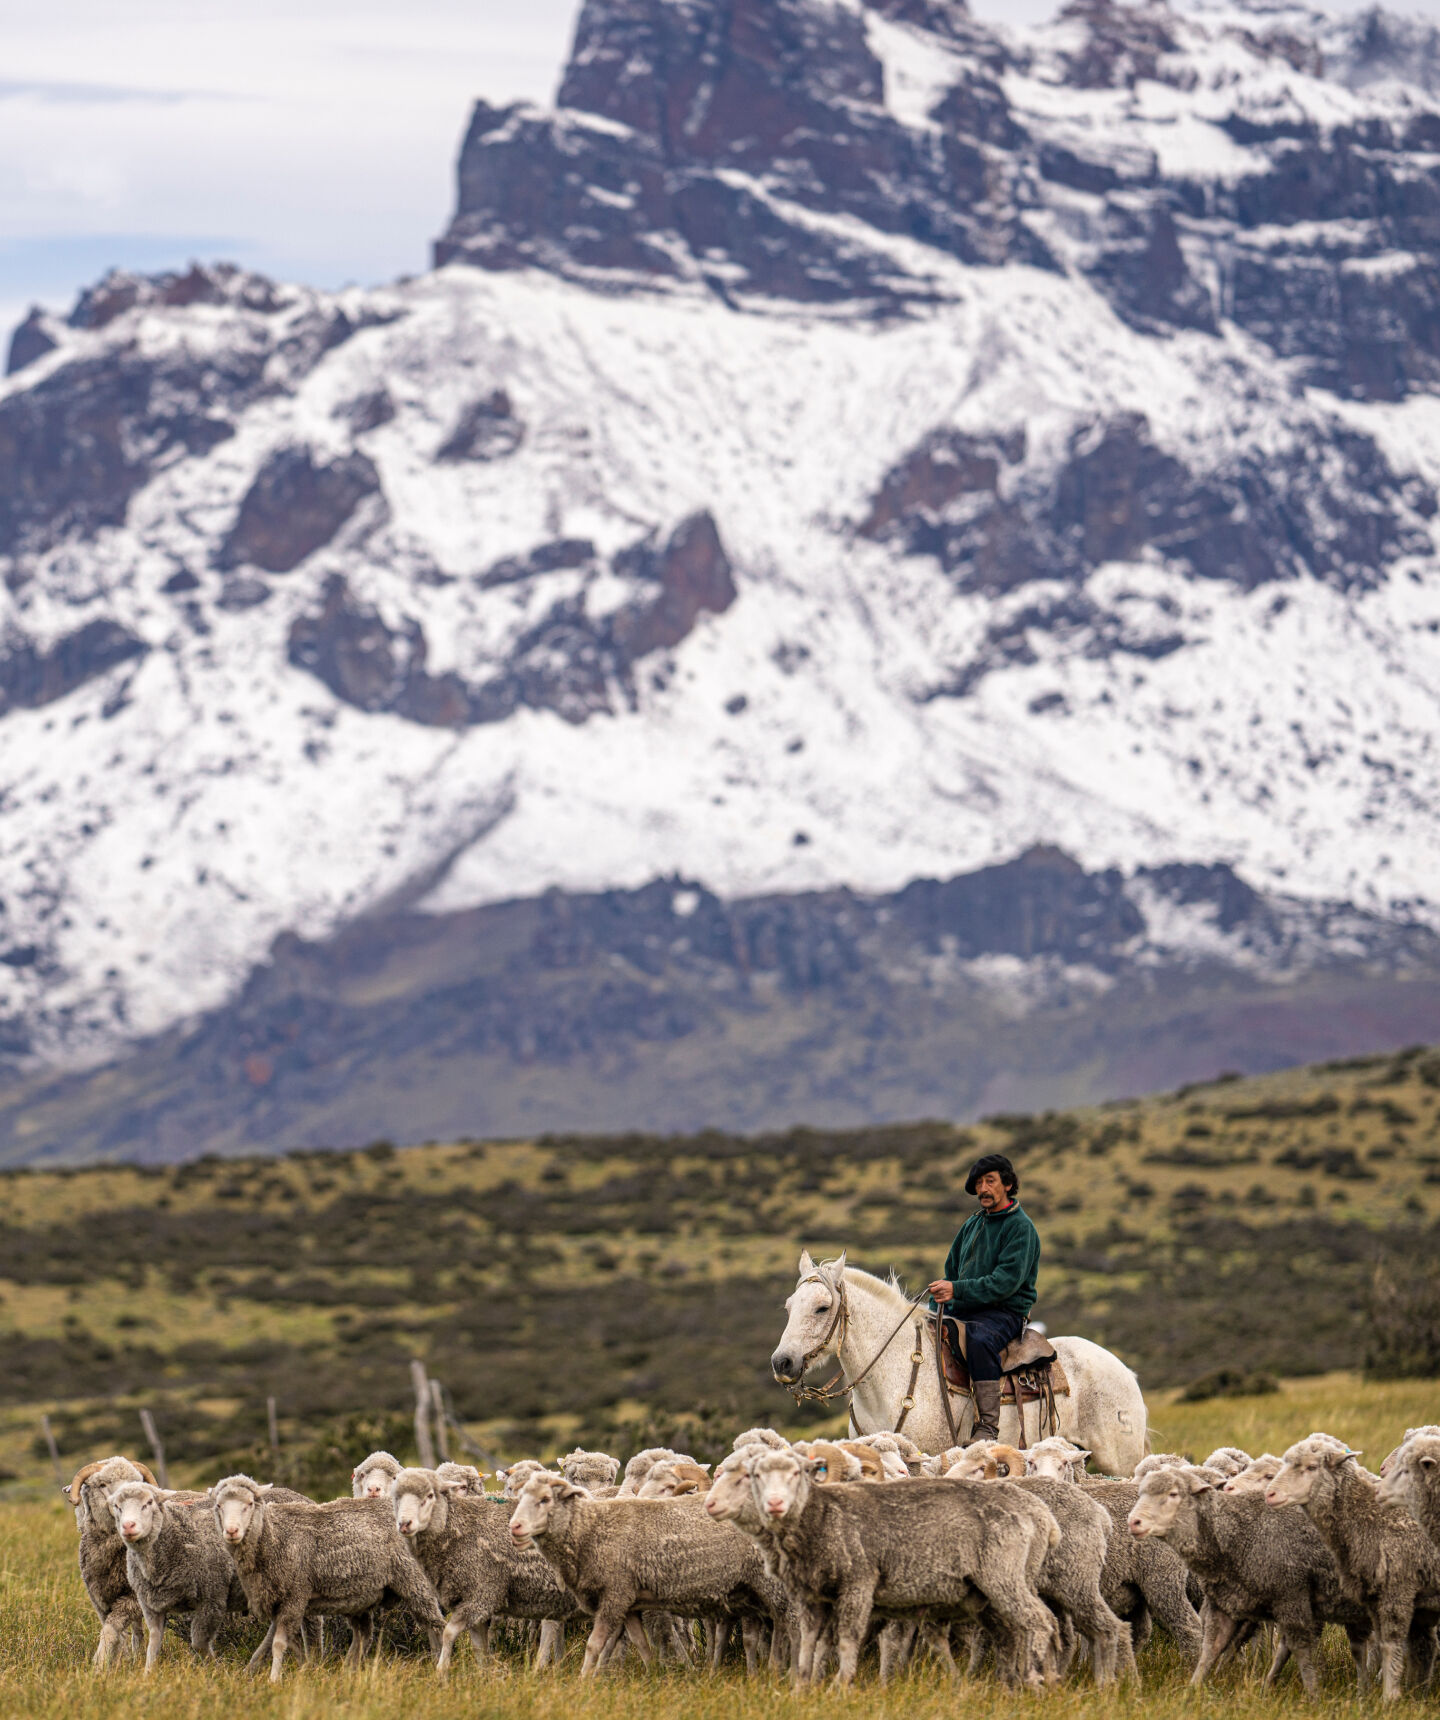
(986, 1335)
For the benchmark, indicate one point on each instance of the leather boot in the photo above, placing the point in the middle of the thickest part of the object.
(987, 1410)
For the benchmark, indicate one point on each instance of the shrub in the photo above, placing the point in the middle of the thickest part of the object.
(1229, 1382)
(1403, 1306)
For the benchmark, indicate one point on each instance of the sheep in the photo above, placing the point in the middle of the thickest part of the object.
(1430, 1431)
(622, 1556)
(1387, 1562)
(1413, 1480)
(174, 1562)
(464, 1547)
(1070, 1577)
(1154, 1460)
(759, 1436)
(1228, 1459)
(871, 1461)
(901, 1444)
(835, 1462)
(371, 1477)
(595, 1471)
(674, 1480)
(515, 1475)
(1142, 1579)
(102, 1552)
(640, 1466)
(299, 1560)
(1253, 1565)
(1256, 1476)
(460, 1477)
(943, 1461)
(1057, 1457)
(949, 1548)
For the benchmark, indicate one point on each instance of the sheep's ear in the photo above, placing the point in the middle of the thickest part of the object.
(269, 1487)
(567, 1490)
(807, 1265)
(1350, 1452)
(1426, 1462)
(1197, 1483)
(704, 1466)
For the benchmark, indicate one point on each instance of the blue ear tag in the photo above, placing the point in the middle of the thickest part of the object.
(824, 1469)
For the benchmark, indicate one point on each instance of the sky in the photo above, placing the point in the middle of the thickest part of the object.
(313, 140)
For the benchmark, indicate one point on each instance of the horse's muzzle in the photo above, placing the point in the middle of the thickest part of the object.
(783, 1369)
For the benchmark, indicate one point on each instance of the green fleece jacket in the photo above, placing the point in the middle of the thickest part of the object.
(994, 1263)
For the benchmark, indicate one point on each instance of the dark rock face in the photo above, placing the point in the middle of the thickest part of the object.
(696, 138)
(295, 506)
(488, 430)
(732, 109)
(29, 342)
(30, 677)
(1331, 510)
(570, 662)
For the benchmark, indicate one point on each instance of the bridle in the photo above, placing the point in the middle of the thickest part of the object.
(837, 1386)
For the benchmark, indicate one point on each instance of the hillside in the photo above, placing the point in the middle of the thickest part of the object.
(838, 446)
(559, 1285)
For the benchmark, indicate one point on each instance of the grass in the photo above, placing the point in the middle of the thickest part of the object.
(570, 1287)
(47, 1632)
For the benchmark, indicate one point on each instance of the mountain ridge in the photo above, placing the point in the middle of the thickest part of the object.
(876, 446)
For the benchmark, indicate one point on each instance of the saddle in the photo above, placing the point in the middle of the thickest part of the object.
(1030, 1369)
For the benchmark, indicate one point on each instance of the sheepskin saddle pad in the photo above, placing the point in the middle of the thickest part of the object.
(1023, 1364)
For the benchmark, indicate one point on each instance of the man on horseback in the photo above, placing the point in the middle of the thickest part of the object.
(989, 1283)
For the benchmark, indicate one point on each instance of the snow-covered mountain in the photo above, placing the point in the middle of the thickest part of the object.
(841, 443)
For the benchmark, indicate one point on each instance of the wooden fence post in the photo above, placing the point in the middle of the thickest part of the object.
(423, 1443)
(442, 1433)
(274, 1426)
(152, 1433)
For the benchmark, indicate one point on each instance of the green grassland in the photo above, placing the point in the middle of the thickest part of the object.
(47, 1631)
(609, 1288)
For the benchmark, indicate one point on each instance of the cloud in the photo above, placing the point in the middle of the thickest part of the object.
(40, 89)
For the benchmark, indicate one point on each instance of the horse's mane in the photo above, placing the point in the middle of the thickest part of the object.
(889, 1288)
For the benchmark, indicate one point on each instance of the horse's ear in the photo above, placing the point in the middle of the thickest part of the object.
(806, 1263)
(840, 1263)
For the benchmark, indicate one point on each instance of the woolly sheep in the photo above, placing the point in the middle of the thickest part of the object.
(901, 1443)
(759, 1436)
(102, 1552)
(640, 1466)
(1228, 1459)
(595, 1471)
(674, 1479)
(947, 1547)
(1154, 1460)
(371, 1477)
(1143, 1579)
(298, 1560)
(1071, 1574)
(1254, 1566)
(1256, 1476)
(1413, 1481)
(1057, 1457)
(1386, 1560)
(943, 1461)
(514, 1476)
(893, 1461)
(621, 1556)
(464, 1546)
(174, 1562)
(1430, 1430)
(460, 1477)
(835, 1462)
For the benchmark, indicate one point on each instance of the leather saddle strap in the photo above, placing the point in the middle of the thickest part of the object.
(917, 1355)
(940, 1379)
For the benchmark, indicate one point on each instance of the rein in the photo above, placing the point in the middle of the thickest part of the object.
(837, 1386)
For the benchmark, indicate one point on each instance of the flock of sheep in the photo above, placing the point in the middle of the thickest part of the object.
(805, 1553)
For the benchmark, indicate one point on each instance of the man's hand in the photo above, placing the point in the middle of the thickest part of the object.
(942, 1290)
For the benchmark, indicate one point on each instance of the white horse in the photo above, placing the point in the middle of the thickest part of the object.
(839, 1314)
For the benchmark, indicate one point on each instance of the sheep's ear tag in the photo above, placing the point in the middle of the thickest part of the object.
(1351, 1453)
(822, 1469)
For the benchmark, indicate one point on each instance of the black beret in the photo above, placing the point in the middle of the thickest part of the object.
(993, 1162)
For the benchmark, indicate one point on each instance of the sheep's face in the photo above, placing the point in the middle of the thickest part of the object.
(671, 1481)
(729, 1493)
(415, 1504)
(780, 1484)
(1057, 1458)
(1410, 1433)
(1261, 1472)
(590, 1469)
(235, 1509)
(1414, 1471)
(830, 1463)
(811, 1313)
(1228, 1459)
(1164, 1494)
(541, 1507)
(136, 1511)
(513, 1479)
(1307, 1471)
(372, 1481)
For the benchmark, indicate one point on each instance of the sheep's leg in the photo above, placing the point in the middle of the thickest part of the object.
(809, 1623)
(1279, 1661)
(1394, 1635)
(896, 1641)
(155, 1635)
(1218, 1632)
(454, 1627)
(257, 1659)
(552, 1644)
(719, 1629)
(607, 1628)
(1359, 1653)
(852, 1616)
(979, 1646)
(635, 1634)
(936, 1638)
(279, 1642)
(109, 1643)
